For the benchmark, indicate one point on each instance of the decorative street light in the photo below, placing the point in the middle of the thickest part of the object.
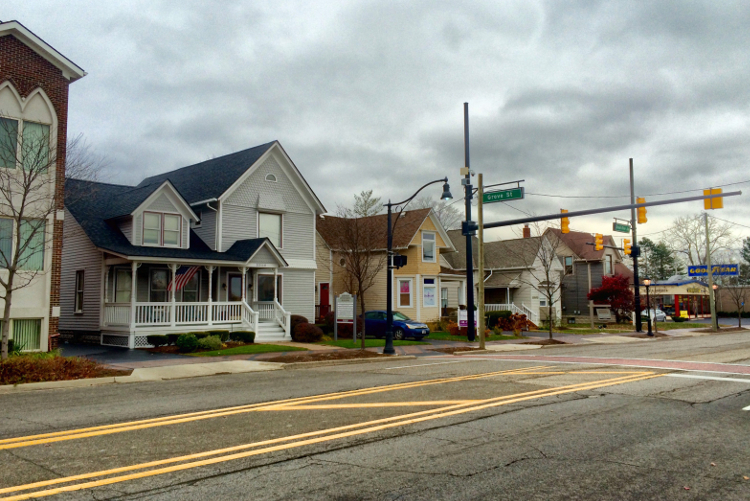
(647, 283)
(388, 350)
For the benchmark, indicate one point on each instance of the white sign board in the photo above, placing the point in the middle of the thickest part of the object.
(604, 314)
(463, 318)
(345, 308)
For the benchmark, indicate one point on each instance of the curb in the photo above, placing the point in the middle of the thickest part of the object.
(321, 363)
(49, 385)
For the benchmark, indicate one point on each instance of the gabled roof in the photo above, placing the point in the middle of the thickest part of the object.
(334, 229)
(502, 254)
(210, 179)
(95, 206)
(577, 242)
(70, 70)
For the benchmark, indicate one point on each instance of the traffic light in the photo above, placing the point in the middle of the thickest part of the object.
(564, 222)
(713, 203)
(627, 246)
(599, 242)
(641, 211)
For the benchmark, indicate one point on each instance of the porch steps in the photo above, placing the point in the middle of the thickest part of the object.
(270, 331)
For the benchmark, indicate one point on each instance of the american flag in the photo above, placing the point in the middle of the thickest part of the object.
(183, 276)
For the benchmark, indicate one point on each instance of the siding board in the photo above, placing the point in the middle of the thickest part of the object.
(80, 254)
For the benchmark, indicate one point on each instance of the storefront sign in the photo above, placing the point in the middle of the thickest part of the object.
(717, 269)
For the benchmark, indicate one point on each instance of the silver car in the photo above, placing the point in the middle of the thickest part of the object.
(656, 315)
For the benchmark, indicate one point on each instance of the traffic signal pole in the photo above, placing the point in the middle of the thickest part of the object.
(468, 190)
(635, 253)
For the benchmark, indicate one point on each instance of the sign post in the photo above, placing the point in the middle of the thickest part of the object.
(345, 313)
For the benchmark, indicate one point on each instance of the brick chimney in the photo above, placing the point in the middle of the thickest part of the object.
(526, 231)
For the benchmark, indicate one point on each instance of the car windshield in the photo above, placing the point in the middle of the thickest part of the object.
(397, 315)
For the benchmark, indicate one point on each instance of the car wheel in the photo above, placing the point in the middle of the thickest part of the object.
(398, 334)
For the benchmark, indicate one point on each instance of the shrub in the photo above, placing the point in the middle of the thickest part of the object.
(172, 338)
(223, 334)
(679, 319)
(345, 330)
(49, 367)
(200, 335)
(328, 320)
(294, 320)
(323, 327)
(244, 336)
(307, 333)
(157, 340)
(494, 317)
(14, 349)
(453, 329)
(210, 343)
(187, 342)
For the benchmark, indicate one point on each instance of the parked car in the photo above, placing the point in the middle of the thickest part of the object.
(657, 315)
(403, 326)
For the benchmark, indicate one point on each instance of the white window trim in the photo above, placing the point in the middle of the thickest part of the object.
(281, 231)
(161, 229)
(79, 287)
(435, 295)
(272, 178)
(398, 293)
(164, 229)
(434, 243)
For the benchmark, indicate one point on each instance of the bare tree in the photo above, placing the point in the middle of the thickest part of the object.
(688, 236)
(365, 205)
(544, 271)
(81, 162)
(448, 215)
(738, 292)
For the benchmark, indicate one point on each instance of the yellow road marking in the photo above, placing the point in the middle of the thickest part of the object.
(307, 407)
(409, 419)
(13, 443)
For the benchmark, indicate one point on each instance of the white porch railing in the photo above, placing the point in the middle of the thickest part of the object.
(522, 310)
(160, 314)
(266, 311)
(283, 318)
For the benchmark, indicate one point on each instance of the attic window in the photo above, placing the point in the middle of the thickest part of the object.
(271, 177)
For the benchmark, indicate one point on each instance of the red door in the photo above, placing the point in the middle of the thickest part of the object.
(325, 300)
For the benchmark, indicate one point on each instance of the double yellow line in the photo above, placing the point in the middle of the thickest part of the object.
(300, 440)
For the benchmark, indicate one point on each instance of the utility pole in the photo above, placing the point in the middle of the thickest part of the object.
(480, 218)
(635, 253)
(711, 296)
(468, 231)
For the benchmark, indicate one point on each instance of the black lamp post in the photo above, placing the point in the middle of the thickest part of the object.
(647, 283)
(388, 350)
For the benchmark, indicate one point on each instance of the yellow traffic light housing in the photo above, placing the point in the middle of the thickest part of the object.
(564, 222)
(626, 244)
(599, 242)
(641, 211)
(713, 203)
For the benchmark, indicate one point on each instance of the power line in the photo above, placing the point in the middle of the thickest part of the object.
(727, 221)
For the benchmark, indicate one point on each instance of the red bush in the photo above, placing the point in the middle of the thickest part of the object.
(345, 330)
(307, 333)
(30, 369)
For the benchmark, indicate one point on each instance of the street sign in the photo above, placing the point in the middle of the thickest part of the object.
(716, 269)
(503, 195)
(622, 228)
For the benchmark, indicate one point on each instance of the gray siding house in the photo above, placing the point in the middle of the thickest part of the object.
(236, 234)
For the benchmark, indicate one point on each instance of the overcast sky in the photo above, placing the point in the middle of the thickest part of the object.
(369, 95)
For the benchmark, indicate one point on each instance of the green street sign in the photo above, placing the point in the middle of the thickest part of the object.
(503, 195)
(623, 228)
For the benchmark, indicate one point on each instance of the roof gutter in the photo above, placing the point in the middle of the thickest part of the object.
(207, 201)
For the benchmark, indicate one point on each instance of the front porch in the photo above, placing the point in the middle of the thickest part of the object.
(206, 297)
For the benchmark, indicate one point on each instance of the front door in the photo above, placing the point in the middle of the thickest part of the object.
(235, 287)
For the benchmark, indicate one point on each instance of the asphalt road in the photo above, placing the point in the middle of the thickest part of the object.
(432, 428)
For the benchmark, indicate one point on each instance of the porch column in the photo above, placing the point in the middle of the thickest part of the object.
(276, 284)
(105, 296)
(133, 293)
(210, 295)
(244, 284)
(173, 312)
(507, 295)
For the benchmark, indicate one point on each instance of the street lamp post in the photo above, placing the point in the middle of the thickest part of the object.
(388, 349)
(647, 283)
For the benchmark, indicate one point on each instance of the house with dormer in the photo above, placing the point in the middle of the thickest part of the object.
(228, 243)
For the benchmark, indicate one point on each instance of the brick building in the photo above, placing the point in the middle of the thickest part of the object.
(34, 80)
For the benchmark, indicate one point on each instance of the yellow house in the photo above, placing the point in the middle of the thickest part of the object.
(351, 256)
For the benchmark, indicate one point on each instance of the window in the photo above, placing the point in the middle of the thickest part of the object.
(404, 292)
(429, 293)
(123, 285)
(158, 286)
(31, 256)
(568, 265)
(6, 242)
(151, 228)
(8, 142)
(444, 297)
(608, 265)
(79, 292)
(271, 177)
(26, 333)
(172, 229)
(190, 289)
(269, 226)
(542, 303)
(428, 247)
(35, 147)
(265, 288)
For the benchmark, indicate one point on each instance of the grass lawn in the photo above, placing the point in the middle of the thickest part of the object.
(246, 350)
(444, 336)
(627, 328)
(369, 343)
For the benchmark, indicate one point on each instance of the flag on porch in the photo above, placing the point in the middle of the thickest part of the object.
(183, 276)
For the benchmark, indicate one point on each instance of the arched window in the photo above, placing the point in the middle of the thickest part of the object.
(271, 177)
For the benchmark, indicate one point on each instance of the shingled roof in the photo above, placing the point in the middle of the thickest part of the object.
(334, 232)
(577, 242)
(95, 206)
(500, 254)
(210, 179)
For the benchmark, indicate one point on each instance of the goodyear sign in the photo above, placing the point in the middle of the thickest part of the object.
(716, 269)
